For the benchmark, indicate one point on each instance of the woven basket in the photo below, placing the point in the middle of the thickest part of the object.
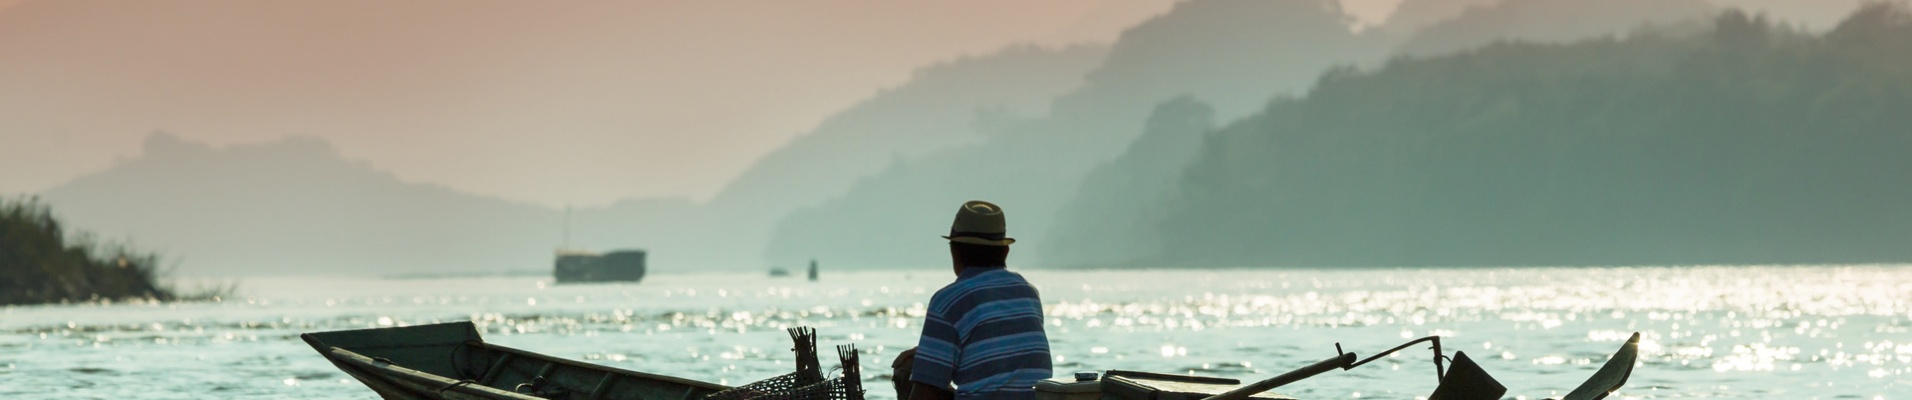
(807, 382)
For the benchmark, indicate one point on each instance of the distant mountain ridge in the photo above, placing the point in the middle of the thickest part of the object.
(1155, 150)
(296, 206)
(1414, 15)
(1118, 216)
(1546, 21)
(951, 104)
(1230, 56)
(1234, 55)
(946, 105)
(1743, 143)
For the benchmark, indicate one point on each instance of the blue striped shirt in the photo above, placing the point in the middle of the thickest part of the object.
(984, 333)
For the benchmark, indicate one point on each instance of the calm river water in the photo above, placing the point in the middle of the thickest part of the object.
(1809, 332)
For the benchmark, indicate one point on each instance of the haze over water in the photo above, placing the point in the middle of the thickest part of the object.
(1806, 332)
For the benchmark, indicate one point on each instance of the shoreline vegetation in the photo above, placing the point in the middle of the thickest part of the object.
(41, 264)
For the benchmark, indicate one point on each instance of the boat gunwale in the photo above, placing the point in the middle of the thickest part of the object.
(392, 374)
(389, 371)
(594, 366)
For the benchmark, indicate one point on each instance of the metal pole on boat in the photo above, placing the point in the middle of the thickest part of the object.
(1291, 377)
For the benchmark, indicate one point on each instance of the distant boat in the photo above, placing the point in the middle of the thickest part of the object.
(779, 272)
(582, 266)
(573, 266)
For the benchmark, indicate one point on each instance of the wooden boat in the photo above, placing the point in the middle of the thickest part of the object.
(450, 361)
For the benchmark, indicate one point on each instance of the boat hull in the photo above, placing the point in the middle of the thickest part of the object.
(450, 361)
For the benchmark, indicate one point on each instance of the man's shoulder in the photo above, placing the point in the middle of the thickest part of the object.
(1001, 278)
(996, 276)
(993, 277)
(987, 281)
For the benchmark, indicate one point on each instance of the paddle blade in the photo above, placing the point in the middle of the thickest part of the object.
(1612, 375)
(1465, 380)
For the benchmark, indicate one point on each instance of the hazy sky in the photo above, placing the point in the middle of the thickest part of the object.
(554, 102)
(580, 102)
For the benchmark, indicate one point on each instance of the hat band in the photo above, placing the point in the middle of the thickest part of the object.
(984, 235)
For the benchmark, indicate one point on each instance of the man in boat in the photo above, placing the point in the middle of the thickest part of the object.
(982, 333)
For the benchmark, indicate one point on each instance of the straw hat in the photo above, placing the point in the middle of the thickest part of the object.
(979, 222)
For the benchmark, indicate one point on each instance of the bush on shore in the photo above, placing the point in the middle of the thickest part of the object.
(40, 263)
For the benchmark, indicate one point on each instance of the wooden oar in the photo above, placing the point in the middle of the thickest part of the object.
(1311, 370)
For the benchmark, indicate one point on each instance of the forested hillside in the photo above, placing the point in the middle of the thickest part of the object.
(1745, 143)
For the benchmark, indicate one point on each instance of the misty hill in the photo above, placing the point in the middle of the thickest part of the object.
(1745, 143)
(950, 104)
(1543, 21)
(1231, 54)
(946, 105)
(1116, 215)
(1414, 15)
(1815, 15)
(296, 206)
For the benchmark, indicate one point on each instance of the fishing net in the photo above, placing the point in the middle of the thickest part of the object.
(807, 382)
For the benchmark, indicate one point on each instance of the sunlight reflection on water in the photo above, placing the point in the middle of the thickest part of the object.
(1707, 332)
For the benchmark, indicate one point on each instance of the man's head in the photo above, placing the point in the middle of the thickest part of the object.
(978, 236)
(975, 255)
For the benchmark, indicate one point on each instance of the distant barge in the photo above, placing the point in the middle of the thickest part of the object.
(582, 266)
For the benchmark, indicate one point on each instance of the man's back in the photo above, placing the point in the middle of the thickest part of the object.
(984, 334)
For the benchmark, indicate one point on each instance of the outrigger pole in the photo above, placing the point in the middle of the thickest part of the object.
(1338, 362)
(1343, 361)
(1439, 370)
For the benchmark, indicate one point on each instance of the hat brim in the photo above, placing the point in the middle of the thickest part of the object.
(980, 241)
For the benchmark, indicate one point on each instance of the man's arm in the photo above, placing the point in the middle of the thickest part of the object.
(900, 373)
(933, 366)
(912, 390)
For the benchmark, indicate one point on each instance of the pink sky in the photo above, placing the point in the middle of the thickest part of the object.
(552, 102)
(581, 102)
